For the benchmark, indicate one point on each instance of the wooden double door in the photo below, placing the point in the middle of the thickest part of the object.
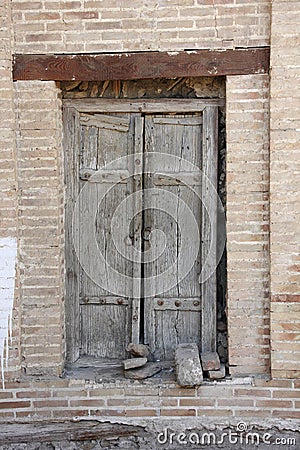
(137, 229)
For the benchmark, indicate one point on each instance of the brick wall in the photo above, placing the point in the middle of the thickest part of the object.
(8, 199)
(247, 112)
(60, 26)
(41, 182)
(39, 154)
(32, 192)
(284, 188)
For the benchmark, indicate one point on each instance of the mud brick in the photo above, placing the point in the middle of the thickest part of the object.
(217, 374)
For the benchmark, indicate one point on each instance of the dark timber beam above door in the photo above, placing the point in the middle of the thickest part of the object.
(129, 66)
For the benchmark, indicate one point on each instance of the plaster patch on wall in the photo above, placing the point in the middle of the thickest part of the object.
(8, 255)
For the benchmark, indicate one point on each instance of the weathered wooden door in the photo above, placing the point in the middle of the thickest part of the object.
(160, 310)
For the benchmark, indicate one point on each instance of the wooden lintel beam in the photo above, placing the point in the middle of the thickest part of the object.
(130, 66)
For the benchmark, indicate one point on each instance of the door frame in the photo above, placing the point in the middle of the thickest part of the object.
(71, 141)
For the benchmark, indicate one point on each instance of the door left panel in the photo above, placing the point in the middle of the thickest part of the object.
(104, 317)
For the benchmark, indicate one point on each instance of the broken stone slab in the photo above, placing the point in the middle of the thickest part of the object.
(133, 363)
(138, 349)
(147, 371)
(187, 364)
(217, 374)
(210, 361)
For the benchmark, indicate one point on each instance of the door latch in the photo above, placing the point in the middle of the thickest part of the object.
(146, 233)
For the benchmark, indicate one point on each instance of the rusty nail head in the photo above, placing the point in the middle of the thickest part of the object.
(120, 301)
(177, 303)
(160, 302)
(196, 303)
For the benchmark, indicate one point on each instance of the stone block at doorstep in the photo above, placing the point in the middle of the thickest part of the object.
(187, 365)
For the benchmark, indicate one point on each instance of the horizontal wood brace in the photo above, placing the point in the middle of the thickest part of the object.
(162, 106)
(177, 178)
(105, 121)
(104, 176)
(185, 121)
(104, 300)
(177, 303)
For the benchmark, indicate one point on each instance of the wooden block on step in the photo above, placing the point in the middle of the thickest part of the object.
(217, 374)
(210, 361)
(134, 363)
(187, 364)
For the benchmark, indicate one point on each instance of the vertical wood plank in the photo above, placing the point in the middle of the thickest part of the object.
(209, 226)
(71, 145)
(137, 225)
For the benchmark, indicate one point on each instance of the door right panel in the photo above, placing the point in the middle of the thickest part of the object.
(173, 313)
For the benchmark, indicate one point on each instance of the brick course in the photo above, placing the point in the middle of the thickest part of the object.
(49, 400)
